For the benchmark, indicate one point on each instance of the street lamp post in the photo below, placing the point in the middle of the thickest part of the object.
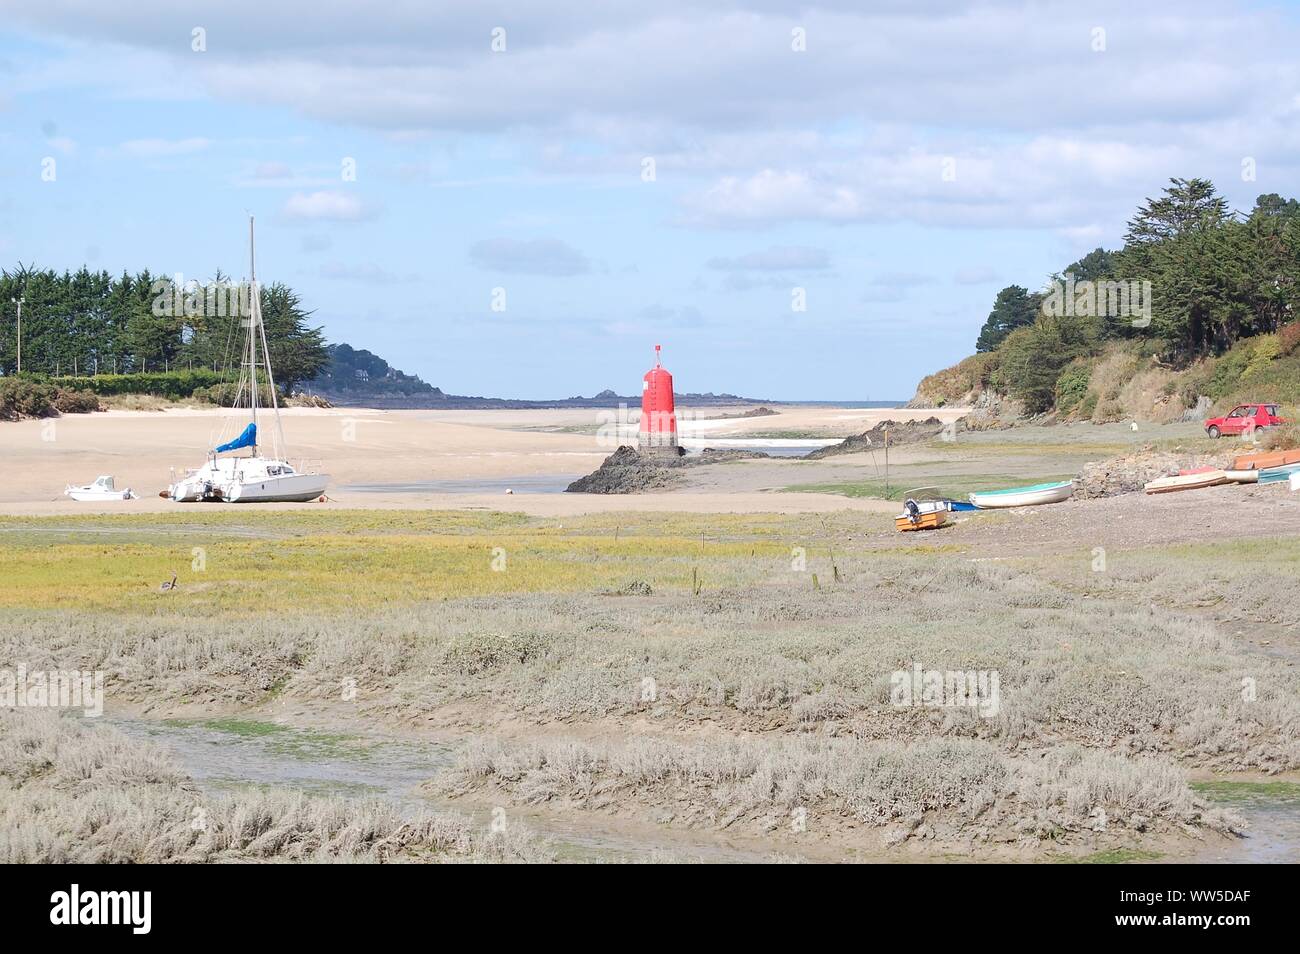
(19, 302)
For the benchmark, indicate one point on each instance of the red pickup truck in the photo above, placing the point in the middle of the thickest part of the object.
(1244, 419)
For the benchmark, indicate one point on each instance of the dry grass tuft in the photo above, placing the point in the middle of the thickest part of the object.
(950, 788)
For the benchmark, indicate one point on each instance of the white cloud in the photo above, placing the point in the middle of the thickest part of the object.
(327, 206)
(770, 196)
(716, 66)
(1046, 132)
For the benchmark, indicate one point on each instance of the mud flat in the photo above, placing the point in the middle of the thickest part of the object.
(656, 686)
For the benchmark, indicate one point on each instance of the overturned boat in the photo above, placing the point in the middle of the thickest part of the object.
(1264, 460)
(252, 477)
(1192, 480)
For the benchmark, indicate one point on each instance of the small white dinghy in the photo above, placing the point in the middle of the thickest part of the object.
(101, 489)
(1030, 496)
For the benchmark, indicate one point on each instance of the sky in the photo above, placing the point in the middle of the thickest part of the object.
(799, 201)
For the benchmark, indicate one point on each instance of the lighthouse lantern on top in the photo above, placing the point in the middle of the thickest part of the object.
(658, 415)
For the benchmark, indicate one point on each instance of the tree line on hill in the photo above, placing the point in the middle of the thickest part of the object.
(1192, 279)
(91, 323)
(350, 371)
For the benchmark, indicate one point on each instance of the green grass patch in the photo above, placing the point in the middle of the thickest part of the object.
(282, 739)
(792, 434)
(229, 565)
(1229, 791)
(244, 728)
(974, 446)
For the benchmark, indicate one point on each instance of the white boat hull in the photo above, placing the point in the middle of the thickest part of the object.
(294, 488)
(248, 480)
(101, 491)
(1026, 498)
(98, 496)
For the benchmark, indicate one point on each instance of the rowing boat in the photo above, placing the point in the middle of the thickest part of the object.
(1164, 485)
(1030, 496)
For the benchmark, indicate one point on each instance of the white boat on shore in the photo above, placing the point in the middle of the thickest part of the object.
(1030, 496)
(102, 489)
(251, 478)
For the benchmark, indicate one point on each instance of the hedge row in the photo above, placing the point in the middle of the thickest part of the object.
(164, 384)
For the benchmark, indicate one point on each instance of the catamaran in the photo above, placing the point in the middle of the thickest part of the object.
(251, 477)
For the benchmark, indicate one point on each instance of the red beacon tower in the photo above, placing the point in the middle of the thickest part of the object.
(658, 415)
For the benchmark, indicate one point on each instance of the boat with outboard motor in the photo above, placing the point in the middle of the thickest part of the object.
(103, 489)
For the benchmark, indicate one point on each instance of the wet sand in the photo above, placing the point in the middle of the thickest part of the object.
(142, 449)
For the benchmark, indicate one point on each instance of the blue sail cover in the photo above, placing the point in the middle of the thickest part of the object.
(246, 439)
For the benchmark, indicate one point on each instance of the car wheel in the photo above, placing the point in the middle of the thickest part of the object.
(1213, 432)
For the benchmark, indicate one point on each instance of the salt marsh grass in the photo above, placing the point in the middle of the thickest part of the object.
(769, 652)
(946, 788)
(72, 793)
(756, 694)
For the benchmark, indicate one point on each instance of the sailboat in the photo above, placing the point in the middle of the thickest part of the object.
(252, 477)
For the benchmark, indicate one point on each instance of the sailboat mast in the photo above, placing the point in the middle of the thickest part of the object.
(254, 299)
(256, 337)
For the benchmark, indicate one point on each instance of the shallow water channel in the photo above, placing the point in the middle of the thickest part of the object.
(223, 755)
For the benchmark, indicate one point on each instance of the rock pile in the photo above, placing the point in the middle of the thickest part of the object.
(627, 472)
(1128, 473)
(900, 432)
